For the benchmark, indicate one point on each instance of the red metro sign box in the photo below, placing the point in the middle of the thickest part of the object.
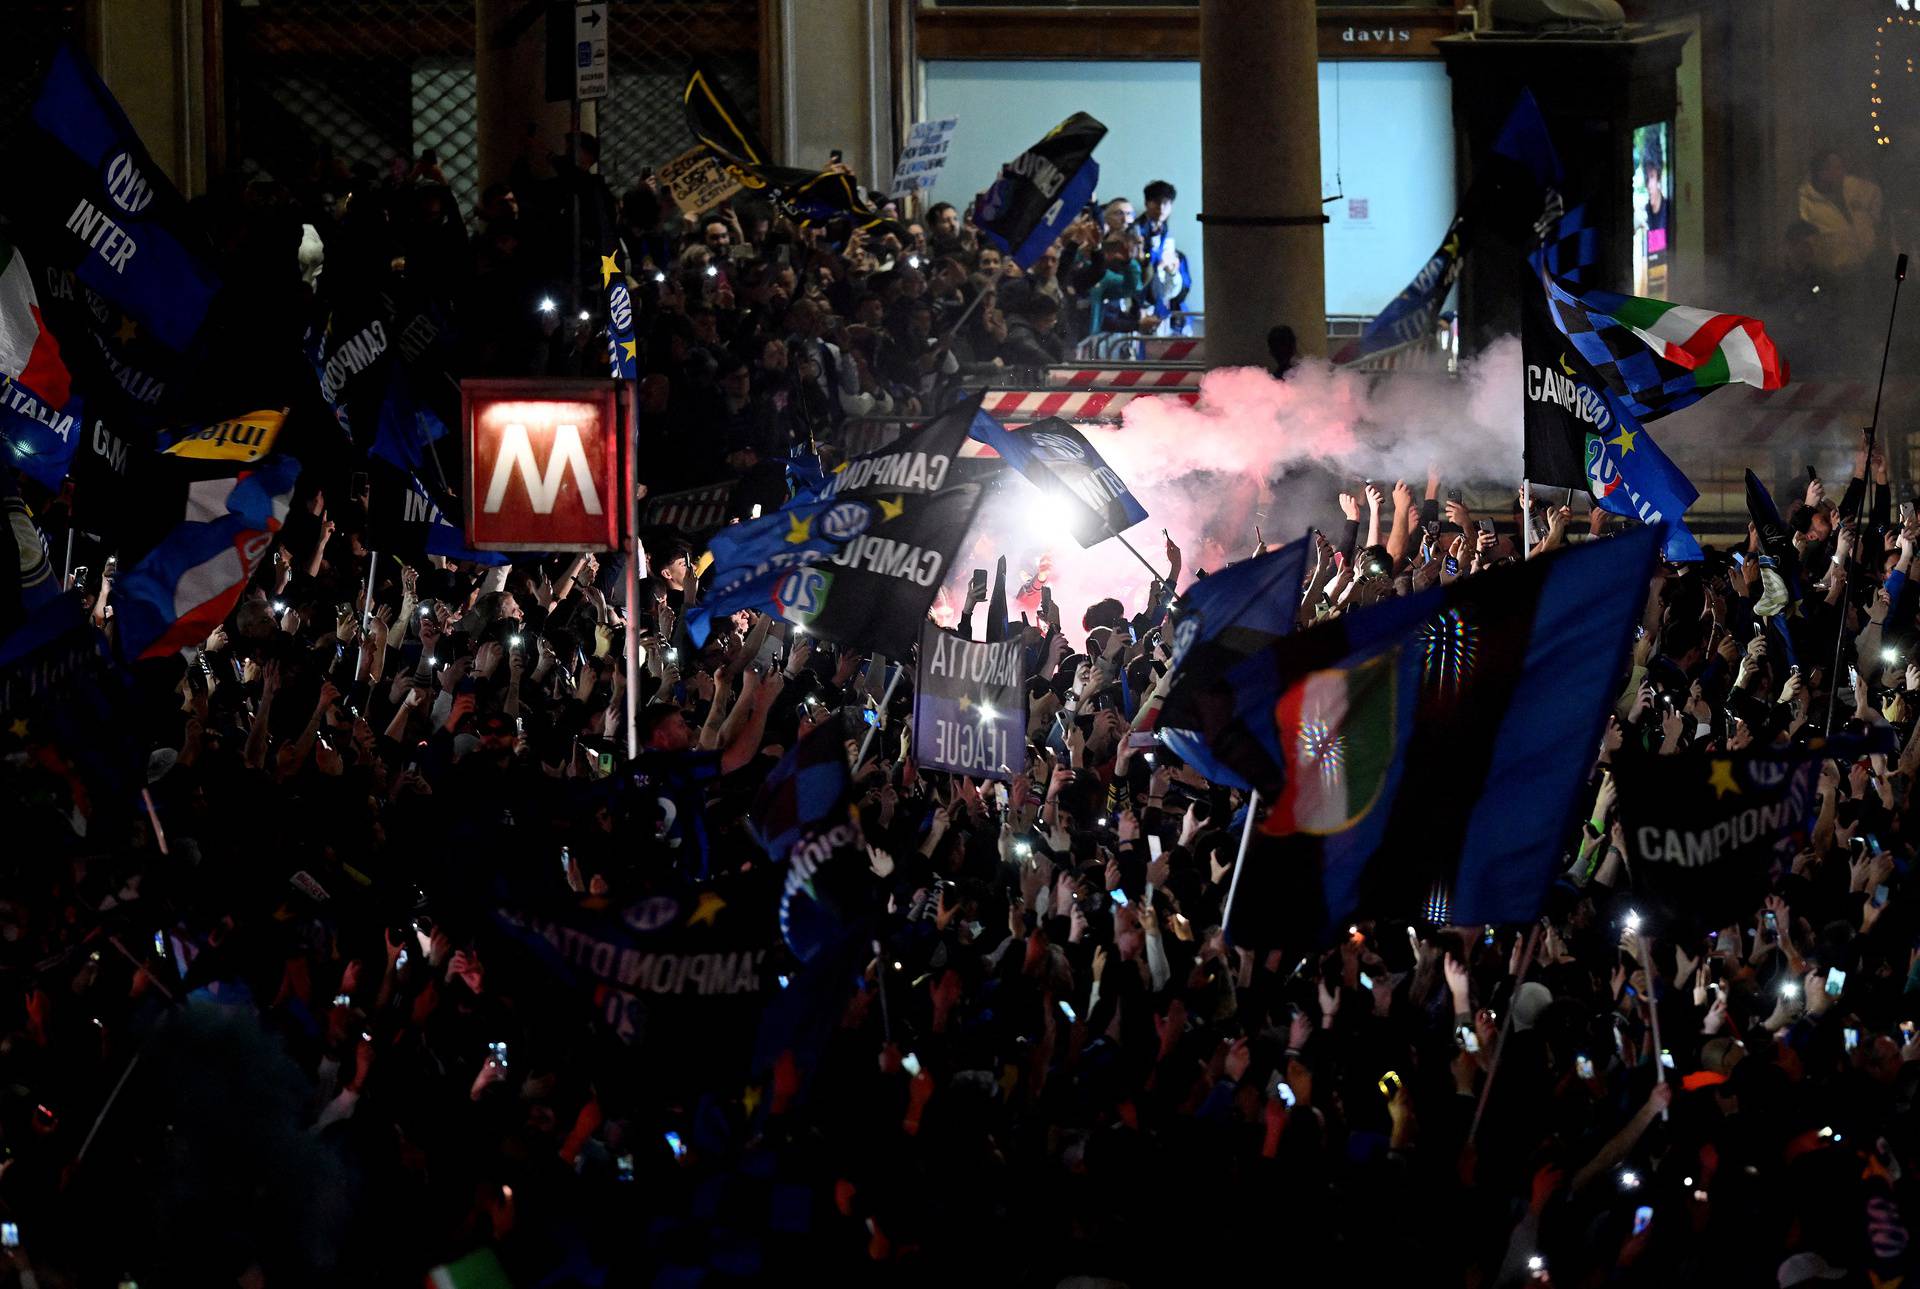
(543, 464)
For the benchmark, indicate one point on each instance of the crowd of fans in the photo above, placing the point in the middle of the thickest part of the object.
(289, 1028)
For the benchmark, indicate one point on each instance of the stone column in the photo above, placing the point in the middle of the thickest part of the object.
(1260, 156)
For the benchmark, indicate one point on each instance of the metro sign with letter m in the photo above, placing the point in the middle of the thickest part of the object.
(543, 464)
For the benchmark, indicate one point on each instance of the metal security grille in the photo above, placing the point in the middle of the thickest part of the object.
(642, 123)
(313, 84)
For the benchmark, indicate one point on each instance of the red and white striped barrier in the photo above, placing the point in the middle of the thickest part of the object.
(1074, 405)
(1125, 377)
(1171, 348)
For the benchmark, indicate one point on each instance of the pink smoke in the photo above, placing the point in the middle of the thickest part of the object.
(1206, 472)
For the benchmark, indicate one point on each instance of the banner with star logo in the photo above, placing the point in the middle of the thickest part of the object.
(890, 521)
(622, 347)
(1703, 830)
(969, 709)
(1578, 435)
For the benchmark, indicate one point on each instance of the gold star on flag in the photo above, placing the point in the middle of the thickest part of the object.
(1566, 366)
(609, 267)
(892, 509)
(966, 701)
(1623, 441)
(18, 727)
(750, 1100)
(1720, 779)
(710, 905)
(127, 330)
(628, 348)
(799, 532)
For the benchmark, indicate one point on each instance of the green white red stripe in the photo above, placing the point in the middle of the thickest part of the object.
(28, 352)
(1336, 731)
(1718, 348)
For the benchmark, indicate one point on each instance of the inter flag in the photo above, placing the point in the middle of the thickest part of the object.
(408, 519)
(860, 491)
(1657, 358)
(879, 497)
(1056, 458)
(407, 424)
(1578, 435)
(40, 418)
(1777, 550)
(801, 817)
(622, 346)
(873, 588)
(718, 123)
(1703, 829)
(1040, 192)
(244, 438)
(1402, 746)
(88, 197)
(1410, 315)
(187, 584)
(833, 194)
(1224, 619)
(1514, 186)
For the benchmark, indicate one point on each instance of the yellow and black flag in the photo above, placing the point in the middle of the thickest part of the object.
(716, 121)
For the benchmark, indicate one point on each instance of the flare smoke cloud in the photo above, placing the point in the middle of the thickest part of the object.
(1255, 451)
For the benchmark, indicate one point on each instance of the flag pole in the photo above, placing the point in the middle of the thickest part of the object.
(1526, 520)
(887, 701)
(886, 1015)
(1158, 576)
(1240, 859)
(1873, 426)
(630, 443)
(966, 313)
(366, 612)
(66, 573)
(1653, 1009)
(1506, 1028)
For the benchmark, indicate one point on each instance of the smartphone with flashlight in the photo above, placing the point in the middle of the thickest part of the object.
(677, 1146)
(497, 1053)
(911, 1064)
(9, 1235)
(1066, 1009)
(624, 1167)
(1852, 1036)
(1642, 1219)
(1469, 1041)
(1583, 1065)
(1836, 982)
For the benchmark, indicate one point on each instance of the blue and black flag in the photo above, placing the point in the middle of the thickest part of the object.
(1040, 191)
(87, 197)
(1403, 745)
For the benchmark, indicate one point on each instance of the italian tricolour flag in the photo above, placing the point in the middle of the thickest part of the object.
(1718, 348)
(29, 354)
(1337, 731)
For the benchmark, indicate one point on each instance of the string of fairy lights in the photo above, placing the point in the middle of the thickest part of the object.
(1909, 16)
